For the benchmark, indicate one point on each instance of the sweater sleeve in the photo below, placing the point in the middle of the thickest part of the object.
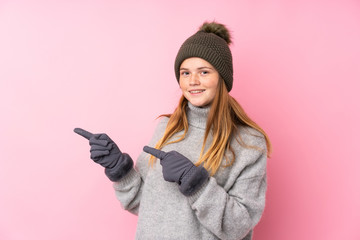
(128, 189)
(233, 213)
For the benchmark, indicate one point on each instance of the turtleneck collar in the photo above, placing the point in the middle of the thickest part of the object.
(197, 116)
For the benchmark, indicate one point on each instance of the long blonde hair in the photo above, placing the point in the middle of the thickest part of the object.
(223, 127)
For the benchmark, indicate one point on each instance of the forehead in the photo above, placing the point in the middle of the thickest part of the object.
(195, 62)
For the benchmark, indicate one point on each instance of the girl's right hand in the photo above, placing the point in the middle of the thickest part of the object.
(103, 150)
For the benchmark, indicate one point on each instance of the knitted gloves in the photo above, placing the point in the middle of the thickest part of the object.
(106, 153)
(179, 169)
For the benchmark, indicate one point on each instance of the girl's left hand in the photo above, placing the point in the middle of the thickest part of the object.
(177, 168)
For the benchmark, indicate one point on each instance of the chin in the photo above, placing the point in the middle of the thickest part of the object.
(199, 104)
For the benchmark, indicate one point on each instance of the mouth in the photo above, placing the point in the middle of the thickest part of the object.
(196, 91)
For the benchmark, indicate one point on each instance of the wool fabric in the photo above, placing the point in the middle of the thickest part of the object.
(227, 206)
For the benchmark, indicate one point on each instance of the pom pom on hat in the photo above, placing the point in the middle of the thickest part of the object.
(211, 44)
(218, 29)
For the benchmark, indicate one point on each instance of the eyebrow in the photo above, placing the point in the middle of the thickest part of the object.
(200, 68)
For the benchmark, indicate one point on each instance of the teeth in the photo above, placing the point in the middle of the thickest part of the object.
(196, 91)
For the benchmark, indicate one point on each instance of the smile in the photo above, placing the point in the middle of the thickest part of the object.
(196, 91)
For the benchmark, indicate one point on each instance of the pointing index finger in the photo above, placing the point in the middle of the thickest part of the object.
(83, 133)
(155, 152)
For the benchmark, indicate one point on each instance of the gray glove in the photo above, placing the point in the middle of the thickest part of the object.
(179, 169)
(105, 152)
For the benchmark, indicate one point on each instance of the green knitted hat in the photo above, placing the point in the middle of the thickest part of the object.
(210, 43)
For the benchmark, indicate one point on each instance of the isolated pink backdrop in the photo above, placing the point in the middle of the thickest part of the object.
(107, 66)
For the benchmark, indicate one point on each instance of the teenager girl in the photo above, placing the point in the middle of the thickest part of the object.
(203, 174)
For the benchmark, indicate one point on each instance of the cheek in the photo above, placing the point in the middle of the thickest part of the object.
(213, 84)
(182, 84)
(214, 88)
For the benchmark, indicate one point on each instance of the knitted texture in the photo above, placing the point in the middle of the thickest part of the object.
(211, 48)
(227, 206)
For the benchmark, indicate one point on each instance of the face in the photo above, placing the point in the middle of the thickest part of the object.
(198, 81)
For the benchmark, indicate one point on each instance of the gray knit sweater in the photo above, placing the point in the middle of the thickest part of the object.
(228, 206)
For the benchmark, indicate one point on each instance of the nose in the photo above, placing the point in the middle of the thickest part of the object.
(194, 80)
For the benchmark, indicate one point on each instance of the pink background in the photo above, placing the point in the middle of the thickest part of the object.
(107, 66)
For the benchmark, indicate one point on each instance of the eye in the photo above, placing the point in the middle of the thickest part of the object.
(204, 72)
(184, 73)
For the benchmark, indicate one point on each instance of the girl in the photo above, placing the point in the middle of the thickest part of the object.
(208, 181)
